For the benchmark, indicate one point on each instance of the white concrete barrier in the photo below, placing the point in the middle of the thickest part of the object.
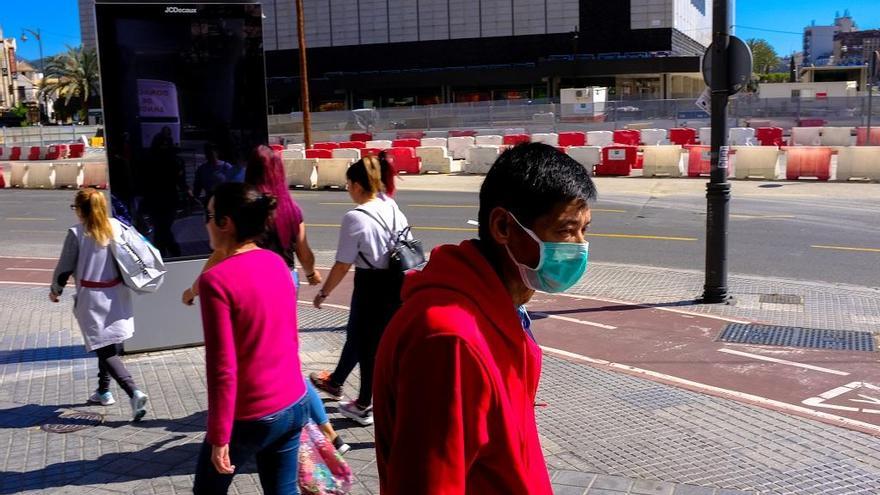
(293, 154)
(300, 172)
(434, 141)
(331, 172)
(837, 136)
(742, 136)
(665, 160)
(18, 174)
(67, 174)
(95, 174)
(653, 137)
(459, 145)
(381, 144)
(588, 156)
(480, 159)
(296, 146)
(806, 136)
(757, 161)
(600, 138)
(489, 140)
(350, 154)
(436, 159)
(39, 175)
(549, 138)
(858, 162)
(705, 135)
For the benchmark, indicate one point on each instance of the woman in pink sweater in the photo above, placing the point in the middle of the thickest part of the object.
(251, 350)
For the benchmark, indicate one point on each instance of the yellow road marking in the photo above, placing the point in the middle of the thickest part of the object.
(589, 234)
(29, 219)
(338, 204)
(603, 210)
(761, 217)
(845, 248)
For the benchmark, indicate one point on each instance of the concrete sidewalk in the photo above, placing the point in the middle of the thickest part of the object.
(603, 432)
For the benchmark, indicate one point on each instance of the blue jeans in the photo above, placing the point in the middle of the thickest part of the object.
(273, 440)
(317, 413)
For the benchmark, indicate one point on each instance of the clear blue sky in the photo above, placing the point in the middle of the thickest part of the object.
(59, 20)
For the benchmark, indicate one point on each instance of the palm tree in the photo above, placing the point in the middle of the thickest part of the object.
(70, 75)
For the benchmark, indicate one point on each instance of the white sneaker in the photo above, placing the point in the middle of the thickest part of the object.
(105, 399)
(351, 410)
(138, 405)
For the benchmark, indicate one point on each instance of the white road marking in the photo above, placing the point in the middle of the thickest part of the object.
(819, 401)
(723, 392)
(783, 361)
(30, 269)
(573, 320)
(44, 284)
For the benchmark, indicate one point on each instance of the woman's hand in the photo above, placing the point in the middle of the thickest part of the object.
(314, 278)
(53, 296)
(188, 297)
(319, 298)
(220, 459)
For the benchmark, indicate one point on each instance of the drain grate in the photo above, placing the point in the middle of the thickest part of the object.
(813, 338)
(781, 299)
(70, 421)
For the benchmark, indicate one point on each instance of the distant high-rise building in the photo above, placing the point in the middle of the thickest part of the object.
(819, 40)
(855, 48)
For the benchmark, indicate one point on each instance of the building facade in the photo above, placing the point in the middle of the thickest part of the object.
(365, 53)
(8, 73)
(819, 40)
(855, 48)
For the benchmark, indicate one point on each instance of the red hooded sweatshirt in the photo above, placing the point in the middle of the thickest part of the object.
(454, 387)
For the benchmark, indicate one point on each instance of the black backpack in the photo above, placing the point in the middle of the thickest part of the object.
(405, 254)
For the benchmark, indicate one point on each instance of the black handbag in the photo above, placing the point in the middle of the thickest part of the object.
(405, 253)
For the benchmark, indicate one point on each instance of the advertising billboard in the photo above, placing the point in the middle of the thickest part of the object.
(184, 98)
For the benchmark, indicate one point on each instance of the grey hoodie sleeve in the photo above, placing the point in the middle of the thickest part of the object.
(66, 263)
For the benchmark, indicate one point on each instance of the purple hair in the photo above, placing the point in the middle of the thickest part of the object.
(265, 171)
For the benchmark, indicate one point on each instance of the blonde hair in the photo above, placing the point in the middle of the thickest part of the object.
(374, 174)
(92, 207)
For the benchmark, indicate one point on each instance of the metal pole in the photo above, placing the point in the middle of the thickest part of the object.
(718, 188)
(872, 70)
(304, 75)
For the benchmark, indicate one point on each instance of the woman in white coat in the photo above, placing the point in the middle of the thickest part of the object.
(102, 304)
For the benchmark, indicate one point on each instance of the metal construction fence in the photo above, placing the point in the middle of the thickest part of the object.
(45, 135)
(544, 116)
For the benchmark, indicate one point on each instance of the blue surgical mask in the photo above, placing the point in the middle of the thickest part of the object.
(560, 266)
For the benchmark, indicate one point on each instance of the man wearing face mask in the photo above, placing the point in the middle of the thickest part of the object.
(458, 368)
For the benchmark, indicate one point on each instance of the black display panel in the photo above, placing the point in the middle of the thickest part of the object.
(184, 98)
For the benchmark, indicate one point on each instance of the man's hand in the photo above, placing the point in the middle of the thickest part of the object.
(319, 299)
(53, 296)
(220, 459)
(314, 278)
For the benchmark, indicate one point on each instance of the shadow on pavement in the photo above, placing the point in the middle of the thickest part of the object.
(617, 307)
(28, 415)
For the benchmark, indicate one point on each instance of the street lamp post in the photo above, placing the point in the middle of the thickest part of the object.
(39, 39)
(304, 75)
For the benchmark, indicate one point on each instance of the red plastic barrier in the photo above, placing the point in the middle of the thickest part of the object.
(35, 153)
(617, 160)
(862, 136)
(462, 133)
(515, 139)
(2, 182)
(808, 162)
(325, 146)
(319, 153)
(76, 150)
(572, 139)
(406, 143)
(353, 144)
(370, 151)
(769, 136)
(410, 135)
(699, 160)
(683, 136)
(15, 153)
(404, 160)
(629, 137)
(57, 151)
(361, 136)
(811, 123)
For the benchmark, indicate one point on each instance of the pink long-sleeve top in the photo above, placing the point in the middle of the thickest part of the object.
(248, 304)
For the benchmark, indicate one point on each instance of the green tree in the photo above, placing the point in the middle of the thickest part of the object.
(764, 56)
(72, 75)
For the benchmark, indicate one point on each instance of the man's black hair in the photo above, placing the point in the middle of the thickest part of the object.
(530, 180)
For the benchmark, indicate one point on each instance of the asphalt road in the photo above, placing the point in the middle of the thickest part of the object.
(824, 239)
